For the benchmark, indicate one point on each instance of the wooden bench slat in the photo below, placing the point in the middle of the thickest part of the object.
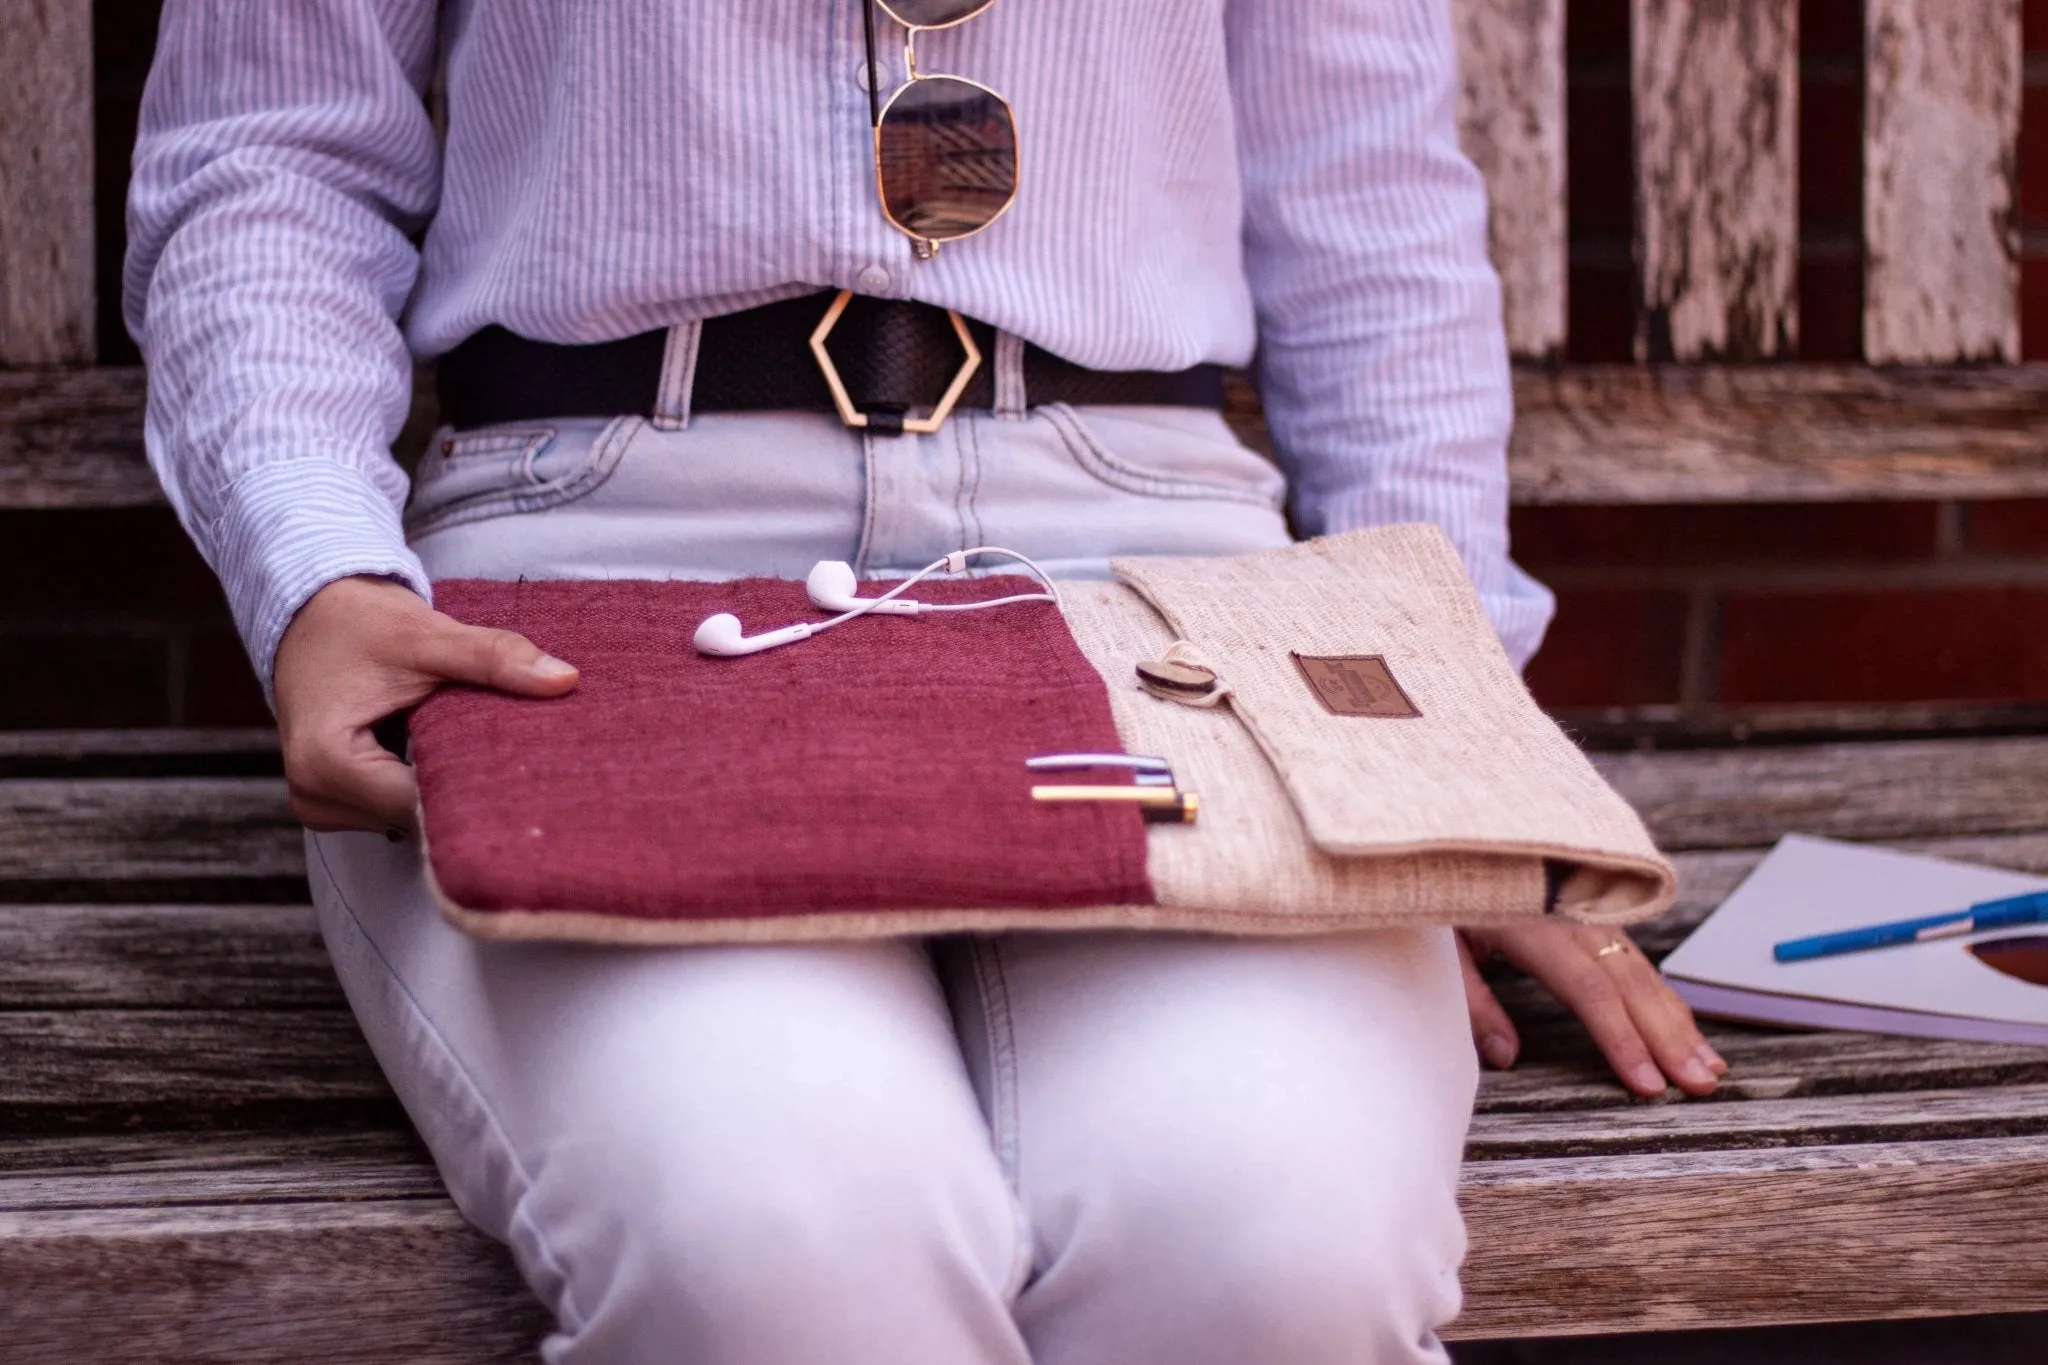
(106, 1068)
(334, 1281)
(1730, 1239)
(118, 829)
(1613, 434)
(163, 1170)
(1804, 1121)
(1941, 120)
(121, 829)
(1738, 798)
(1717, 178)
(163, 957)
(73, 438)
(243, 956)
(1511, 116)
(1600, 434)
(1564, 1073)
(1601, 1243)
(67, 1068)
(47, 293)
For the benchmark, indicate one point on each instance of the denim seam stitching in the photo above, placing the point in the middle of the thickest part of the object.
(1005, 1112)
(578, 483)
(476, 1096)
(1096, 459)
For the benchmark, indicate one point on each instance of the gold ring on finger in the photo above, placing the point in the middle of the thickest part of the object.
(1620, 945)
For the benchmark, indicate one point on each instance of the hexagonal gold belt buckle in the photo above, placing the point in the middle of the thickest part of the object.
(851, 415)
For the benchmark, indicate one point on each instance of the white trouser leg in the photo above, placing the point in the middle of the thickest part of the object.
(1229, 1151)
(743, 1156)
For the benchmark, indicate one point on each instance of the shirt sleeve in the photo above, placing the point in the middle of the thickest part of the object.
(1382, 357)
(285, 155)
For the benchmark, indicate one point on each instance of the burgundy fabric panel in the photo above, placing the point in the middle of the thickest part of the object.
(877, 766)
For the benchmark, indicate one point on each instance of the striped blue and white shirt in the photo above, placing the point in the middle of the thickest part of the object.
(1199, 176)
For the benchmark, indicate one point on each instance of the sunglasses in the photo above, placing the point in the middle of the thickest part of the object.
(945, 146)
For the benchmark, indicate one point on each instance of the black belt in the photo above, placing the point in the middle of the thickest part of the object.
(892, 357)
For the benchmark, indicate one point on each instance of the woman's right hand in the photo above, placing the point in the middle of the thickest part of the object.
(360, 650)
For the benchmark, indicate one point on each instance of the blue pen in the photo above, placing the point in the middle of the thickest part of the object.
(2031, 908)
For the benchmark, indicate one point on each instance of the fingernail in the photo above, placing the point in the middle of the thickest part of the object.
(1498, 1050)
(1694, 1071)
(548, 666)
(1647, 1078)
(1712, 1059)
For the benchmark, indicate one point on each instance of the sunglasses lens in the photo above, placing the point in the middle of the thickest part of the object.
(948, 156)
(2025, 956)
(933, 13)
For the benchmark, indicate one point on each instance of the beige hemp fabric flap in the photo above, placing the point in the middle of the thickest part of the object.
(1379, 761)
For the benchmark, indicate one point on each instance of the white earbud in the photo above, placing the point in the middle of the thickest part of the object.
(720, 635)
(833, 587)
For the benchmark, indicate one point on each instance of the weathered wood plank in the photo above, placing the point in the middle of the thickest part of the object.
(68, 1069)
(138, 753)
(112, 1068)
(1806, 1235)
(1940, 204)
(1588, 1244)
(163, 1170)
(1563, 1072)
(115, 829)
(1913, 1116)
(1796, 433)
(163, 957)
(47, 298)
(1739, 798)
(1511, 117)
(1668, 726)
(1717, 177)
(336, 1282)
(1611, 434)
(73, 438)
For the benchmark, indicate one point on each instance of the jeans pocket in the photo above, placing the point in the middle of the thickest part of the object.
(1166, 453)
(507, 470)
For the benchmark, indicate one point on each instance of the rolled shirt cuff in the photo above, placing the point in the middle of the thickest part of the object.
(291, 527)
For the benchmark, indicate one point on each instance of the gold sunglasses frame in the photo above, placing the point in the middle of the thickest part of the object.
(922, 246)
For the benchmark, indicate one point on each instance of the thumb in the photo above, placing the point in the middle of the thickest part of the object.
(1492, 1031)
(499, 659)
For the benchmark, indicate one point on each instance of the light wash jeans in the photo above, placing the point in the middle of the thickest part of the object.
(1073, 1149)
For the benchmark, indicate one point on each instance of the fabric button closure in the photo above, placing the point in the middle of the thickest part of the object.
(872, 280)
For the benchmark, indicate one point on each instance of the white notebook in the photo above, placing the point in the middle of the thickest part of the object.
(1935, 989)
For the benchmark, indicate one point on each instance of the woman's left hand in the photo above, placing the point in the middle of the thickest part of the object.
(1645, 1031)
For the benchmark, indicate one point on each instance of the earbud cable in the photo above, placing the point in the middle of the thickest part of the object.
(956, 562)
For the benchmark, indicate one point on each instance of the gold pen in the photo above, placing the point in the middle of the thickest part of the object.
(1157, 803)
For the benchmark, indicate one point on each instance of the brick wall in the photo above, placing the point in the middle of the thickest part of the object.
(110, 619)
(1696, 608)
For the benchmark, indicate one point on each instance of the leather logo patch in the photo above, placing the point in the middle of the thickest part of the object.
(1356, 685)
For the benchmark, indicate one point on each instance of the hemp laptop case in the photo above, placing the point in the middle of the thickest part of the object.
(1378, 762)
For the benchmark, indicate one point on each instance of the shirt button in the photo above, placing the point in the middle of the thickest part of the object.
(860, 75)
(872, 280)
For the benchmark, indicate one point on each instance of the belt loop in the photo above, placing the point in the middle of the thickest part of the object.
(1010, 398)
(678, 376)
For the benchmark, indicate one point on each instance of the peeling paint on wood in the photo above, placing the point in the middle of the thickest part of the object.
(1717, 178)
(47, 297)
(1941, 124)
(1511, 117)
(1778, 433)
